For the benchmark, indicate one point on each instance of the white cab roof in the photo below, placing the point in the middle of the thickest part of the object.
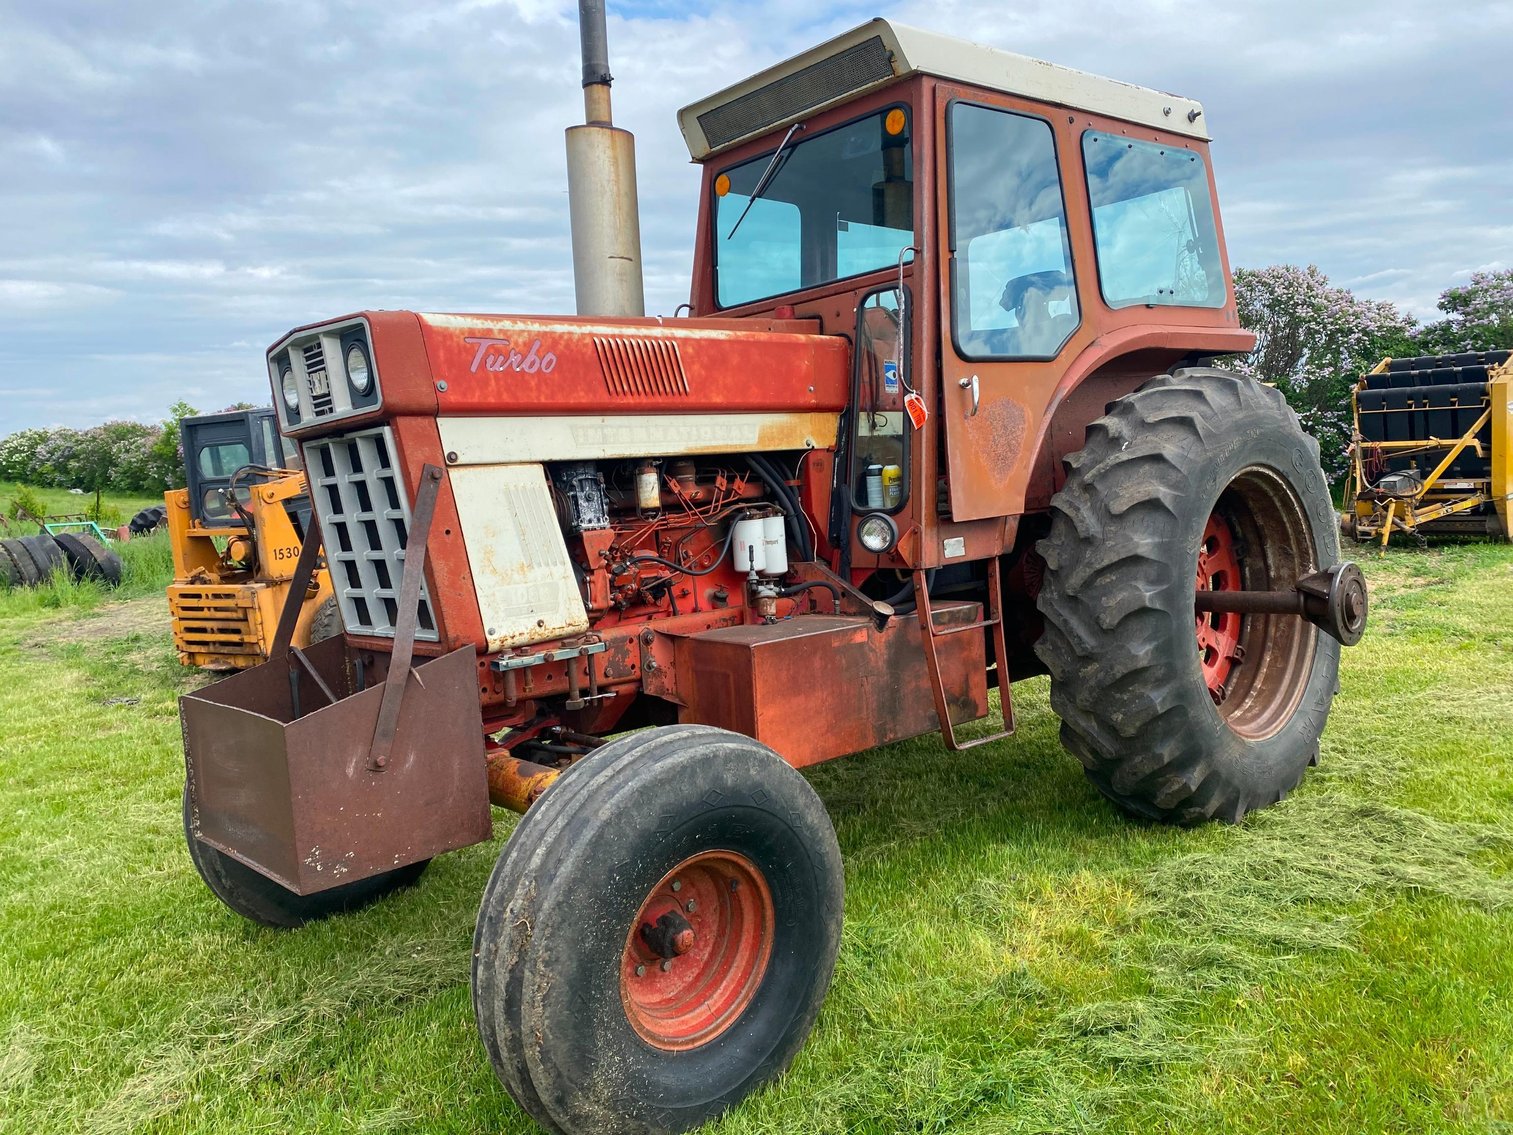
(879, 52)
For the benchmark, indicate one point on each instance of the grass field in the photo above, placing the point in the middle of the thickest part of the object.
(1017, 957)
(63, 502)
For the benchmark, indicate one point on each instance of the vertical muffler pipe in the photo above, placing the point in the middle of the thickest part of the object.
(601, 188)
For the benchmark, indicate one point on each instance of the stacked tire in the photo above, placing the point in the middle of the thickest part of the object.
(26, 561)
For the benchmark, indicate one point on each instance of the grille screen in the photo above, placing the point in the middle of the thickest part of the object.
(317, 380)
(856, 67)
(365, 526)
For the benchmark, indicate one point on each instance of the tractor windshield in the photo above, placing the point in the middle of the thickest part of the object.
(834, 205)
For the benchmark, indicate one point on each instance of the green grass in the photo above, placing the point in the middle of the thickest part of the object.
(1017, 957)
(61, 502)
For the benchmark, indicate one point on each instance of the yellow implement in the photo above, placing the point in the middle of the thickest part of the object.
(1432, 452)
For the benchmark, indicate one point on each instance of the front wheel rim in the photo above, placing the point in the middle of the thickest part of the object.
(697, 950)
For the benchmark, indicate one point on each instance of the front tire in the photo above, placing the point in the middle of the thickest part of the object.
(725, 852)
(259, 899)
(1201, 478)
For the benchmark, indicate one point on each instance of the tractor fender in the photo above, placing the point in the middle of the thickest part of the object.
(1111, 366)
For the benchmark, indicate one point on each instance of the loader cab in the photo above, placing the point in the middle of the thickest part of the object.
(218, 446)
(998, 238)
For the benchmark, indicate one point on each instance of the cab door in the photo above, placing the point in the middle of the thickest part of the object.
(1009, 304)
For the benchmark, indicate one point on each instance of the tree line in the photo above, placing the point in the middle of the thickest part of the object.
(123, 456)
(1313, 340)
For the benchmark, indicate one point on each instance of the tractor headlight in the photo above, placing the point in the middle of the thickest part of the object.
(877, 533)
(290, 388)
(359, 369)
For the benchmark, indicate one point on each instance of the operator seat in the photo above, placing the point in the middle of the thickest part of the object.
(1042, 330)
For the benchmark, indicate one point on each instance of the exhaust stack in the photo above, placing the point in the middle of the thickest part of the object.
(601, 188)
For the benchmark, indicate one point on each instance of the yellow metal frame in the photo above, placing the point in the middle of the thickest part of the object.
(228, 590)
(1500, 390)
(1433, 501)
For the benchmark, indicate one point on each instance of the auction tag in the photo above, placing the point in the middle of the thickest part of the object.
(914, 406)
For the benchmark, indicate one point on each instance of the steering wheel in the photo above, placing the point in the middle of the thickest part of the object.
(1017, 288)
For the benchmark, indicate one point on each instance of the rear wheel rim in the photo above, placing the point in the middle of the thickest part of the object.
(688, 999)
(1218, 631)
(1256, 667)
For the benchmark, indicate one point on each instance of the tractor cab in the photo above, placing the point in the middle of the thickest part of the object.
(217, 447)
(993, 233)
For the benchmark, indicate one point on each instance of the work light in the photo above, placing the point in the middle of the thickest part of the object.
(290, 388)
(359, 372)
(877, 532)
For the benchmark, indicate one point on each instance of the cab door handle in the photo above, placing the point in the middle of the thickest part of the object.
(971, 384)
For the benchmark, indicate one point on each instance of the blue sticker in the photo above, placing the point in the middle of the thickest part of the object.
(890, 378)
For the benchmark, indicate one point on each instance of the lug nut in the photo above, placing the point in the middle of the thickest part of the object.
(667, 966)
(677, 884)
(640, 971)
(691, 907)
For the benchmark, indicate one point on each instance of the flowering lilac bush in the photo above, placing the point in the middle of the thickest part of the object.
(131, 457)
(1312, 340)
(1478, 316)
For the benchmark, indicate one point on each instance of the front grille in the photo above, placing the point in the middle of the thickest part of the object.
(641, 367)
(365, 527)
(210, 619)
(863, 65)
(317, 379)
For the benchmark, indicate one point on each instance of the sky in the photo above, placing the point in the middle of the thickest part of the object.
(183, 181)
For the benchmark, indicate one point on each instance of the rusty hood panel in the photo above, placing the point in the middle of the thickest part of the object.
(490, 364)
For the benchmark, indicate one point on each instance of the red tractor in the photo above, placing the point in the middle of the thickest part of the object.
(940, 418)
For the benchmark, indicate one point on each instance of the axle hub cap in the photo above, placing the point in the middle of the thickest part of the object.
(697, 950)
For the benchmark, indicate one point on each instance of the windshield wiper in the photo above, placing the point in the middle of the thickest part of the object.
(765, 179)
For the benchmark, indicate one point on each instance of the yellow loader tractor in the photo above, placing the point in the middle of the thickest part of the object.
(237, 530)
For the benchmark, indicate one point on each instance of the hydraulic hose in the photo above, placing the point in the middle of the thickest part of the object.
(797, 588)
(772, 478)
(621, 569)
(905, 600)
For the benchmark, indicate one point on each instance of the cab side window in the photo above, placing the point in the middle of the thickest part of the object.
(1153, 224)
(1014, 292)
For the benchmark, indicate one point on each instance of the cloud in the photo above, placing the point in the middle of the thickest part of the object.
(185, 181)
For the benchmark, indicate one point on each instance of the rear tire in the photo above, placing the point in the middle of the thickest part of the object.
(1199, 475)
(583, 1024)
(326, 623)
(259, 899)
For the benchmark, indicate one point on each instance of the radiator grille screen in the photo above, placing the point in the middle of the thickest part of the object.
(853, 69)
(317, 378)
(365, 526)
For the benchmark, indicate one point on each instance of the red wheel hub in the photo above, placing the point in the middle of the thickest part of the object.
(1218, 632)
(697, 950)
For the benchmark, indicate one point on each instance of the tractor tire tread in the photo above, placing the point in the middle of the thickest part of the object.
(1110, 597)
